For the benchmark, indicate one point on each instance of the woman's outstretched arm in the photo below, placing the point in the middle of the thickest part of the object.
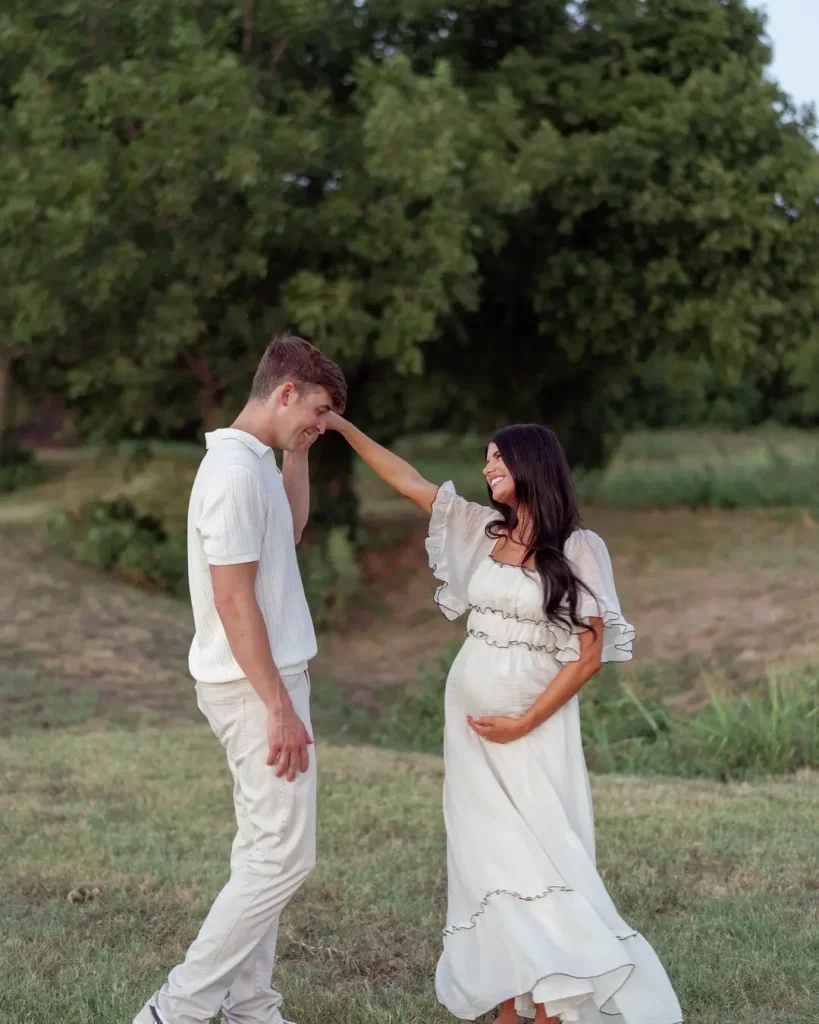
(392, 469)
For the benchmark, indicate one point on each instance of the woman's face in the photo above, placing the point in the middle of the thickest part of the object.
(498, 476)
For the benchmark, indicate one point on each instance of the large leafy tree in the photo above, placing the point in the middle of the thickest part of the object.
(483, 210)
(676, 217)
(628, 184)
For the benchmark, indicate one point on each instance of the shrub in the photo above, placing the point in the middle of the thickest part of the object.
(19, 468)
(329, 569)
(417, 721)
(115, 536)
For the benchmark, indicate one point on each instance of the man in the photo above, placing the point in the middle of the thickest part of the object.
(254, 639)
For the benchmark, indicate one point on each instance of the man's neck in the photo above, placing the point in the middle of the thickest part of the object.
(252, 420)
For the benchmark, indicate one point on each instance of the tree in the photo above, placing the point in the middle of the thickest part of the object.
(485, 211)
(182, 184)
(627, 183)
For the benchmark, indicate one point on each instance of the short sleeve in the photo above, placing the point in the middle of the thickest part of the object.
(455, 545)
(232, 517)
(590, 560)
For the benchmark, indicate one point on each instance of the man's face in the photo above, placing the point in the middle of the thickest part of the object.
(303, 416)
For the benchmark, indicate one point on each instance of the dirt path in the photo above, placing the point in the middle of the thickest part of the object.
(722, 593)
(717, 594)
(726, 593)
(66, 623)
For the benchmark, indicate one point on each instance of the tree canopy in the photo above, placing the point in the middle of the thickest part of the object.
(485, 211)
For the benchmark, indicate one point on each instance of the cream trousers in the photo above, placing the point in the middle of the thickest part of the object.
(229, 965)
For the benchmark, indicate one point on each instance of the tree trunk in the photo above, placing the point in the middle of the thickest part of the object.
(211, 407)
(6, 388)
(247, 33)
(334, 500)
(210, 392)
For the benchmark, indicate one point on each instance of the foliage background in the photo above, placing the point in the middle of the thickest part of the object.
(599, 213)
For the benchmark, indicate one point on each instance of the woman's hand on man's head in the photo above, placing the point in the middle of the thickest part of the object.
(332, 421)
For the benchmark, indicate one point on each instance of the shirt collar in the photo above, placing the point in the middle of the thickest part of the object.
(232, 434)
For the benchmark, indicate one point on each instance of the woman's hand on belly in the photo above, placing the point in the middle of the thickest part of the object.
(498, 728)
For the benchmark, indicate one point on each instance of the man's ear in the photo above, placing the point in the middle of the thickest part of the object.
(289, 393)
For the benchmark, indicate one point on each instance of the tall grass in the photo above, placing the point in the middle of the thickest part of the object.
(769, 466)
(768, 733)
(774, 731)
(778, 484)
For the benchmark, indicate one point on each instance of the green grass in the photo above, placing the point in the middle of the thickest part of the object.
(721, 486)
(774, 731)
(29, 702)
(767, 466)
(751, 447)
(721, 878)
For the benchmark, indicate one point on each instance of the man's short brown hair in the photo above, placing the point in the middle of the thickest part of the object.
(293, 359)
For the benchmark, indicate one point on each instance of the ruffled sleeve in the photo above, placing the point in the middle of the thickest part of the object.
(591, 563)
(455, 545)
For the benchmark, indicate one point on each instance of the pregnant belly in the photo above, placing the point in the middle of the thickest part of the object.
(495, 680)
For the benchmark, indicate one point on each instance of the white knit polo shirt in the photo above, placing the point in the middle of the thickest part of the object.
(239, 512)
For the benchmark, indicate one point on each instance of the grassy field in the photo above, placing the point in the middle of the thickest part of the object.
(722, 879)
(708, 468)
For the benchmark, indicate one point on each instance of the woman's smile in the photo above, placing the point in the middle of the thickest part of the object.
(497, 475)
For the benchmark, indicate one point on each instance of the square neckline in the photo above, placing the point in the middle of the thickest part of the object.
(509, 565)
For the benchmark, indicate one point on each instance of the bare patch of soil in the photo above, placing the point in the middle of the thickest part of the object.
(66, 623)
(726, 592)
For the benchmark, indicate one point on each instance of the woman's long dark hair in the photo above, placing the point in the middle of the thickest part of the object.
(544, 485)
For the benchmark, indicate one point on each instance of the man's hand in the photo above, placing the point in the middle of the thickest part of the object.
(498, 729)
(289, 741)
(305, 442)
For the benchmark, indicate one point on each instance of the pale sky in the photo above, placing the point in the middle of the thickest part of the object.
(793, 28)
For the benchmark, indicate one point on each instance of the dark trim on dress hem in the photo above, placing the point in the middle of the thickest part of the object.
(452, 929)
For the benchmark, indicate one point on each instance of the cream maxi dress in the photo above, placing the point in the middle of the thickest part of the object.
(528, 915)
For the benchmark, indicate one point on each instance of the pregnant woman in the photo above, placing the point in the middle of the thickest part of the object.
(531, 929)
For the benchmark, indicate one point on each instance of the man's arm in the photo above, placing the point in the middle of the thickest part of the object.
(296, 476)
(235, 599)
